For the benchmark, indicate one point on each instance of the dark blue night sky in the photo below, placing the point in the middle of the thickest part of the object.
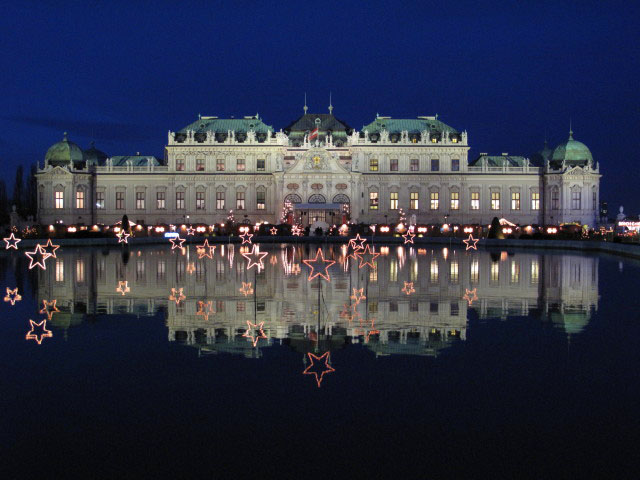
(125, 73)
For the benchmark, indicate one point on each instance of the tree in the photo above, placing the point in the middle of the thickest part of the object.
(31, 193)
(4, 203)
(18, 190)
(495, 230)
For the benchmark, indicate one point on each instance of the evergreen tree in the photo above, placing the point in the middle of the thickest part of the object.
(18, 190)
(4, 204)
(31, 194)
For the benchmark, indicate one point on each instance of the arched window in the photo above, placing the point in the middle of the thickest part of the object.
(341, 198)
(317, 198)
(293, 198)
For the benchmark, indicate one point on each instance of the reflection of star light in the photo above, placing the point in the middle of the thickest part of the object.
(357, 243)
(367, 257)
(470, 295)
(246, 238)
(205, 309)
(205, 250)
(408, 237)
(49, 308)
(319, 365)
(12, 296)
(273, 230)
(255, 257)
(41, 332)
(191, 230)
(358, 295)
(408, 288)
(38, 251)
(123, 287)
(246, 289)
(12, 242)
(50, 248)
(191, 268)
(255, 332)
(273, 260)
(176, 242)
(123, 237)
(177, 295)
(319, 266)
(471, 242)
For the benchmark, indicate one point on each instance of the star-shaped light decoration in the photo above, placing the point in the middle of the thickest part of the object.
(367, 257)
(471, 242)
(373, 331)
(319, 366)
(470, 295)
(177, 295)
(296, 230)
(408, 288)
(191, 268)
(191, 230)
(12, 242)
(176, 242)
(255, 332)
(205, 250)
(172, 228)
(42, 256)
(273, 230)
(255, 257)
(123, 237)
(38, 331)
(319, 266)
(273, 260)
(246, 289)
(246, 238)
(49, 308)
(358, 295)
(50, 248)
(408, 237)
(12, 296)
(123, 287)
(357, 243)
(205, 309)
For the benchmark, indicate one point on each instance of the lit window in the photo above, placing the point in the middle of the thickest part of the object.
(393, 165)
(179, 164)
(414, 200)
(515, 272)
(475, 200)
(99, 199)
(453, 271)
(80, 199)
(576, 200)
(80, 270)
(160, 200)
(455, 165)
(373, 165)
(239, 200)
(455, 200)
(495, 272)
(119, 200)
(435, 164)
(373, 200)
(515, 200)
(220, 200)
(200, 164)
(260, 163)
(454, 140)
(434, 139)
(433, 271)
(594, 196)
(179, 200)
(240, 164)
(260, 199)
(495, 200)
(435, 201)
(59, 270)
(140, 200)
(535, 201)
(535, 271)
(475, 271)
(393, 203)
(200, 200)
(220, 165)
(414, 166)
(393, 270)
(59, 199)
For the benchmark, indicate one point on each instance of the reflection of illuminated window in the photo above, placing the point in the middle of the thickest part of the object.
(413, 272)
(454, 271)
(200, 271)
(373, 275)
(495, 272)
(393, 306)
(535, 271)
(220, 269)
(393, 270)
(373, 307)
(140, 270)
(413, 306)
(434, 271)
(260, 306)
(59, 270)
(101, 266)
(240, 307)
(515, 272)
(475, 271)
(80, 270)
(433, 307)
(162, 270)
(220, 306)
(180, 269)
(455, 309)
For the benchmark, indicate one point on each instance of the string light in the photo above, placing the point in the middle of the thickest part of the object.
(177, 295)
(408, 237)
(12, 242)
(49, 308)
(205, 309)
(41, 334)
(367, 257)
(470, 295)
(12, 296)
(471, 242)
(246, 238)
(322, 362)
(408, 288)
(205, 250)
(246, 289)
(319, 266)
(357, 243)
(123, 237)
(255, 327)
(273, 230)
(176, 242)
(255, 257)
(50, 248)
(40, 263)
(358, 295)
(123, 287)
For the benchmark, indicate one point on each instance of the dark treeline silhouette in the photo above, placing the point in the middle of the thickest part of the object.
(24, 195)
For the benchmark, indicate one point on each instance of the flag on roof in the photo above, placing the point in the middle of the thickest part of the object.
(313, 134)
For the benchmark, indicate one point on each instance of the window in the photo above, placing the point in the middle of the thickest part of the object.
(59, 270)
(80, 199)
(594, 197)
(220, 165)
(414, 166)
(515, 272)
(576, 200)
(453, 272)
(515, 200)
(140, 200)
(495, 272)
(433, 271)
(393, 165)
(179, 200)
(240, 166)
(535, 201)
(455, 201)
(495, 200)
(260, 164)
(260, 199)
(475, 271)
(455, 165)
(99, 199)
(59, 199)
(179, 164)
(239, 200)
(119, 200)
(475, 200)
(373, 165)
(200, 200)
(414, 200)
(435, 165)
(220, 200)
(160, 200)
(555, 199)
(435, 201)
(199, 164)
(393, 201)
(373, 200)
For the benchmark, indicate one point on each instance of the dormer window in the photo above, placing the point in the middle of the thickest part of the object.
(454, 140)
(434, 139)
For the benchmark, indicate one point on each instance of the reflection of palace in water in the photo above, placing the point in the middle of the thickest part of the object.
(447, 285)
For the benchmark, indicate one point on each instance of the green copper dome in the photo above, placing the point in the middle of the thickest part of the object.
(93, 156)
(64, 153)
(572, 153)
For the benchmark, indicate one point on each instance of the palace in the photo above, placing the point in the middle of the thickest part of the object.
(327, 170)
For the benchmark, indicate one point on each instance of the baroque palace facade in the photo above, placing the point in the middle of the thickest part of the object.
(324, 168)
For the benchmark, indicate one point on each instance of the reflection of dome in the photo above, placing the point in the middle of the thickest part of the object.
(572, 153)
(64, 153)
(572, 322)
(93, 156)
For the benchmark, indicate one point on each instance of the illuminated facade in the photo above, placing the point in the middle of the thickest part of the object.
(324, 167)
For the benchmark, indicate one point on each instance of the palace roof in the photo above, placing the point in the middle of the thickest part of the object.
(307, 122)
(411, 125)
(136, 160)
(224, 125)
(499, 161)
